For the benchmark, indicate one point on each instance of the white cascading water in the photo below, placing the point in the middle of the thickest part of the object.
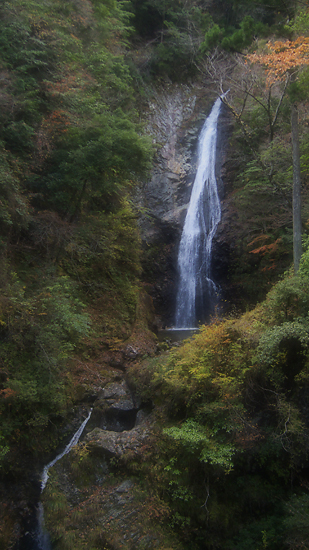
(43, 539)
(197, 292)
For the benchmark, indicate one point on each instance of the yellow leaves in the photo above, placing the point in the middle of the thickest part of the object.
(212, 360)
(282, 57)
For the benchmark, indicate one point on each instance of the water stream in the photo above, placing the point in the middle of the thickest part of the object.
(197, 292)
(38, 538)
(43, 538)
(69, 446)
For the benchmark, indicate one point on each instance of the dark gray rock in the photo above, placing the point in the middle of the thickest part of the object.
(115, 395)
(114, 409)
(113, 444)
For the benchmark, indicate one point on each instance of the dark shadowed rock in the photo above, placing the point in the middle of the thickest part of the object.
(114, 409)
(114, 444)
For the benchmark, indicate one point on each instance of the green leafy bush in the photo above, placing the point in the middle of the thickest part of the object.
(38, 332)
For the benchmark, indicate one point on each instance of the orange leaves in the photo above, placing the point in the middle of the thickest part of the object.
(282, 57)
(57, 122)
(70, 82)
(269, 252)
(7, 393)
(270, 248)
(155, 509)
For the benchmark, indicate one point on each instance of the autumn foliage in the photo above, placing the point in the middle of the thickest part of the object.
(282, 57)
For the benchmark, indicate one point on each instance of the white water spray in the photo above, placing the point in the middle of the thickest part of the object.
(197, 292)
(43, 539)
(69, 446)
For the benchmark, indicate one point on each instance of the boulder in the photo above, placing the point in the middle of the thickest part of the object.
(116, 444)
(115, 396)
(115, 408)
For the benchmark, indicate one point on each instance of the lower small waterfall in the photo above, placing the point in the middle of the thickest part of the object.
(42, 537)
(69, 446)
(197, 292)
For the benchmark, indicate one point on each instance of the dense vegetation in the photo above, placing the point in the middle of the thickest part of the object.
(232, 465)
(232, 403)
(71, 150)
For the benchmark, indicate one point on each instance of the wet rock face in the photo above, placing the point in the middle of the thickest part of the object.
(170, 116)
(174, 119)
(114, 409)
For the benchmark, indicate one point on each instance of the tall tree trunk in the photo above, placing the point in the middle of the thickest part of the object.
(79, 201)
(297, 247)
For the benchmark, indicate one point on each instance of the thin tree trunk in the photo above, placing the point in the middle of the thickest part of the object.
(297, 247)
(77, 206)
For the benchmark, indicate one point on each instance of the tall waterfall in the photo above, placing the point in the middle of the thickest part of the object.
(196, 297)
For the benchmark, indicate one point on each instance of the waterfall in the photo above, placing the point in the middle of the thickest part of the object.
(197, 293)
(42, 536)
(69, 446)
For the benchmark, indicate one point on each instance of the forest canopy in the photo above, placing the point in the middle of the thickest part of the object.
(71, 150)
(231, 404)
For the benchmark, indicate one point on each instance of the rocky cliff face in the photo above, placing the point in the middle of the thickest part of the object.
(175, 116)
